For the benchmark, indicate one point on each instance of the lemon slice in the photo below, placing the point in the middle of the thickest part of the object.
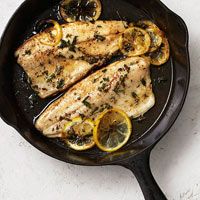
(112, 130)
(154, 32)
(80, 10)
(134, 42)
(79, 134)
(161, 55)
(53, 37)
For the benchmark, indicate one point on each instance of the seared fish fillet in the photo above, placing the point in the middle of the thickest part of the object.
(125, 85)
(83, 46)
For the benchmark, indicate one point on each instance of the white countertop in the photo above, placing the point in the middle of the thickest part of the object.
(28, 174)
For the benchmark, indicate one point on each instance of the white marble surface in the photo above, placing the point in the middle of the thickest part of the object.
(27, 174)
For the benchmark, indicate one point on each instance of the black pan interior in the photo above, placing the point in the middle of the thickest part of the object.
(28, 106)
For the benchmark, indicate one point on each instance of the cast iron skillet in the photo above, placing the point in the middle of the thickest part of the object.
(19, 105)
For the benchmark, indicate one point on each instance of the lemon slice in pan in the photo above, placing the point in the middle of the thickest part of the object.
(154, 32)
(112, 130)
(53, 37)
(80, 10)
(134, 42)
(161, 55)
(79, 134)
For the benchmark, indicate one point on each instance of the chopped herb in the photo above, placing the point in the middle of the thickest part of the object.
(58, 70)
(99, 38)
(106, 79)
(60, 55)
(68, 35)
(118, 89)
(143, 81)
(104, 107)
(120, 85)
(103, 87)
(60, 83)
(63, 44)
(72, 45)
(132, 63)
(28, 52)
(101, 108)
(50, 77)
(86, 103)
(95, 80)
(104, 70)
(134, 95)
(99, 26)
(128, 47)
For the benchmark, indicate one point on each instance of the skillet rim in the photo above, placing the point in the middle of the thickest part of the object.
(119, 161)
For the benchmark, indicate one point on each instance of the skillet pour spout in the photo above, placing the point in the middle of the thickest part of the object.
(14, 91)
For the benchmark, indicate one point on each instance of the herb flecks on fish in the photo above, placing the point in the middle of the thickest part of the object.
(120, 85)
(69, 44)
(99, 38)
(86, 102)
(58, 70)
(60, 83)
(104, 85)
(63, 44)
(50, 77)
(101, 108)
(136, 98)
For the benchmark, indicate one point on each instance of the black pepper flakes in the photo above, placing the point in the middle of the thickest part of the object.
(143, 81)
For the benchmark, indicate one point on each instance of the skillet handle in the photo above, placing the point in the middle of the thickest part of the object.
(140, 166)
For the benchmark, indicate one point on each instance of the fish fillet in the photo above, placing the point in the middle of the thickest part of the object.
(84, 45)
(125, 85)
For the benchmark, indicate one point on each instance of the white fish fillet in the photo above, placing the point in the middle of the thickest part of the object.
(125, 85)
(93, 44)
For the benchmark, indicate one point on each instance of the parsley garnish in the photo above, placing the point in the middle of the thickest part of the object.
(86, 103)
(60, 83)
